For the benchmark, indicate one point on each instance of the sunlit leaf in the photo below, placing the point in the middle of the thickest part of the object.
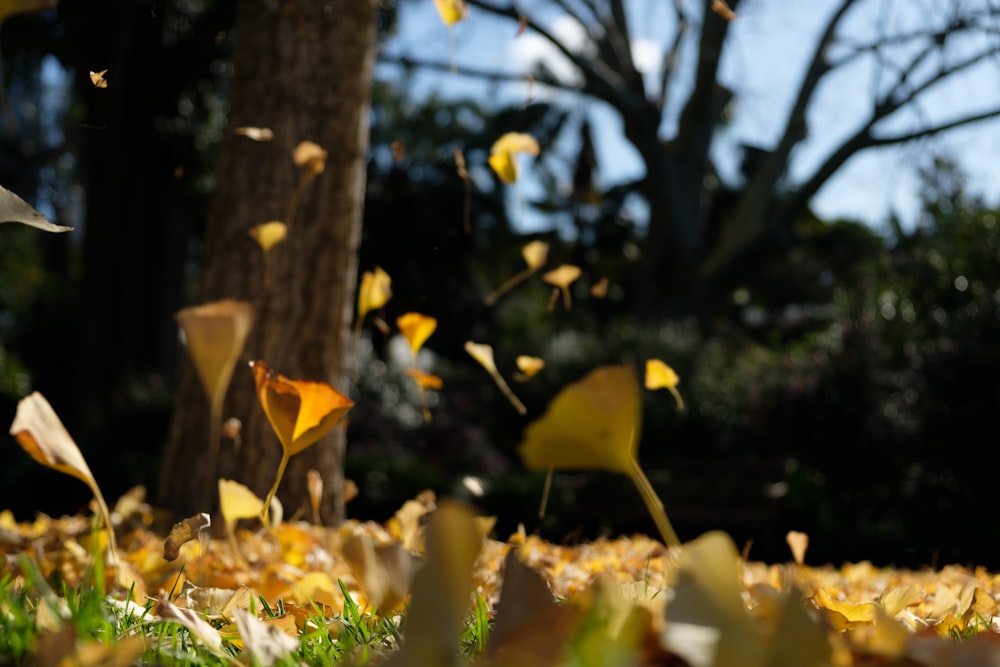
(237, 502)
(310, 157)
(599, 290)
(416, 329)
(269, 234)
(374, 291)
(314, 484)
(798, 543)
(483, 354)
(562, 277)
(503, 154)
(451, 11)
(535, 254)
(183, 532)
(384, 571)
(198, 627)
(97, 78)
(661, 376)
(15, 209)
(529, 367)
(595, 424)
(255, 133)
(40, 432)
(425, 380)
(300, 412)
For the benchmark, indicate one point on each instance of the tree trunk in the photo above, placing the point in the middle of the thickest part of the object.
(303, 69)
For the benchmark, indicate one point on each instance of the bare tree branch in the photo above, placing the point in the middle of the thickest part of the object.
(621, 43)
(477, 73)
(669, 65)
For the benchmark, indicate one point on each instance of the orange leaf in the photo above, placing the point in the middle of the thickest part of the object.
(300, 411)
(416, 328)
(425, 380)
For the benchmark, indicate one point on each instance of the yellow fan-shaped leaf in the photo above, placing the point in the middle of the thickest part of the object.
(237, 502)
(535, 253)
(503, 154)
(483, 354)
(300, 411)
(374, 292)
(593, 423)
(416, 328)
(215, 334)
(661, 376)
(40, 432)
(310, 157)
(562, 277)
(451, 11)
(269, 234)
(529, 367)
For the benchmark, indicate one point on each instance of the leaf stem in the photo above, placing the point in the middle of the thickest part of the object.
(274, 489)
(653, 504)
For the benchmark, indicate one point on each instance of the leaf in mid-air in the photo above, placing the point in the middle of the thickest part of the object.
(451, 11)
(561, 278)
(528, 367)
(503, 154)
(416, 329)
(595, 424)
(40, 432)
(300, 412)
(534, 253)
(661, 376)
(237, 502)
(483, 354)
(15, 209)
(215, 334)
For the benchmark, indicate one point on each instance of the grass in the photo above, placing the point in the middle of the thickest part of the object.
(35, 619)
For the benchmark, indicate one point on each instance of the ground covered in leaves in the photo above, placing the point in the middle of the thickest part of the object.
(432, 570)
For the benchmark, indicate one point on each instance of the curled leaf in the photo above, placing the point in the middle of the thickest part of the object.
(215, 334)
(40, 432)
(661, 376)
(97, 78)
(503, 154)
(300, 412)
(310, 158)
(483, 354)
(184, 531)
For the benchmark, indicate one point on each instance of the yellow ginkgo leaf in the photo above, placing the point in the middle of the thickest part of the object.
(269, 234)
(595, 424)
(97, 78)
(237, 502)
(451, 11)
(503, 154)
(374, 291)
(484, 355)
(562, 277)
(416, 329)
(425, 380)
(529, 367)
(310, 158)
(300, 412)
(661, 376)
(535, 253)
(40, 432)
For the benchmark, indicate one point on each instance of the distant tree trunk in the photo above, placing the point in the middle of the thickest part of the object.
(303, 69)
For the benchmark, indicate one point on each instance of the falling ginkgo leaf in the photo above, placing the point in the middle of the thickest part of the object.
(310, 158)
(595, 424)
(255, 133)
(529, 367)
(15, 209)
(416, 329)
(314, 485)
(599, 290)
(267, 235)
(661, 376)
(374, 292)
(182, 532)
(237, 502)
(215, 334)
(40, 432)
(483, 354)
(300, 412)
(503, 154)
(798, 542)
(535, 253)
(561, 278)
(97, 78)
(425, 380)
(451, 12)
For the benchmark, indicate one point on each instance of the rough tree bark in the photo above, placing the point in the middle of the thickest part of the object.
(303, 69)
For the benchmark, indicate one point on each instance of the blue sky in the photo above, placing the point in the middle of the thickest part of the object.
(769, 46)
